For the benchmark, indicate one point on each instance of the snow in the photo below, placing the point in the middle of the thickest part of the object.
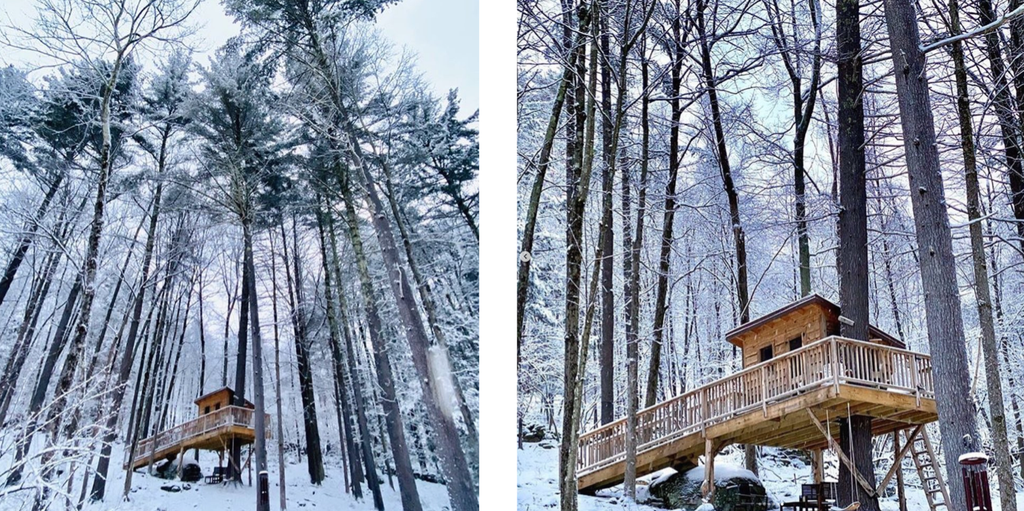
(441, 373)
(723, 472)
(146, 494)
(973, 456)
(537, 481)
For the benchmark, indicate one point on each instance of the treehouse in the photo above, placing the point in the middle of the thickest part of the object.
(220, 422)
(799, 379)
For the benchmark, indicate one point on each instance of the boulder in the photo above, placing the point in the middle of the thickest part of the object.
(736, 489)
(533, 433)
(173, 488)
(191, 472)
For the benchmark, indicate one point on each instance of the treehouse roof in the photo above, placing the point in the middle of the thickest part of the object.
(230, 395)
(831, 310)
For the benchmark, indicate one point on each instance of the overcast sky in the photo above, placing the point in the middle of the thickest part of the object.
(443, 33)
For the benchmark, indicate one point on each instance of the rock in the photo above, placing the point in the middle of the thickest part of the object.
(549, 444)
(173, 488)
(736, 490)
(533, 433)
(191, 473)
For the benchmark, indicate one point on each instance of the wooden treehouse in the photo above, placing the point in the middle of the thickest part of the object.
(798, 379)
(219, 424)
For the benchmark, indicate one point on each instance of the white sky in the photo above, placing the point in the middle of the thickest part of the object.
(443, 33)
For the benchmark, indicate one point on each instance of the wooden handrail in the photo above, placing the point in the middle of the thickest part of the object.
(829, 361)
(227, 416)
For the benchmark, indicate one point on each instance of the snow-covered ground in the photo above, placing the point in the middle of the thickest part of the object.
(538, 482)
(146, 494)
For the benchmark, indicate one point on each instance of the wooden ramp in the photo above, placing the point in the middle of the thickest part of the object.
(212, 431)
(793, 401)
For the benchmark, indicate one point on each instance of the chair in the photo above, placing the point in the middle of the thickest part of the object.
(217, 476)
(817, 497)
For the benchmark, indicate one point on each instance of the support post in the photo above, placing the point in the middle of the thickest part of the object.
(817, 464)
(708, 488)
(901, 492)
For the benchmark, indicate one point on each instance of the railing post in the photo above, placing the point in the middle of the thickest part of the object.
(913, 380)
(836, 366)
(764, 391)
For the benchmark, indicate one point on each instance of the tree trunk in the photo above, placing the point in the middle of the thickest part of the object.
(664, 263)
(853, 238)
(257, 364)
(392, 415)
(26, 240)
(1004, 464)
(365, 448)
(607, 352)
(282, 487)
(938, 272)
(722, 155)
(341, 381)
(314, 460)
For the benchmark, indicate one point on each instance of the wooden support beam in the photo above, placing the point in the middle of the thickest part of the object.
(897, 461)
(842, 456)
(901, 494)
(818, 464)
(708, 488)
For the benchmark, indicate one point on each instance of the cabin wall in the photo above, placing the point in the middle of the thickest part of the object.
(809, 324)
(214, 403)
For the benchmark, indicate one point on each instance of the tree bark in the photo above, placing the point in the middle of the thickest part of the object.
(385, 380)
(938, 272)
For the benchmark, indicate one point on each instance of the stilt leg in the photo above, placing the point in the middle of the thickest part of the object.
(708, 488)
(898, 459)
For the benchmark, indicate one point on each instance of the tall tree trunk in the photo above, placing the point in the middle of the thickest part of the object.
(392, 415)
(577, 190)
(938, 272)
(532, 208)
(355, 382)
(341, 382)
(259, 421)
(241, 355)
(26, 239)
(853, 238)
(607, 352)
(282, 487)
(722, 155)
(314, 460)
(1004, 464)
(664, 263)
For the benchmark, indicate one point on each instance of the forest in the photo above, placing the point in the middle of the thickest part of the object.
(783, 237)
(253, 268)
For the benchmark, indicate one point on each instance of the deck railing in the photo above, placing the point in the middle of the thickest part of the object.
(830, 361)
(227, 416)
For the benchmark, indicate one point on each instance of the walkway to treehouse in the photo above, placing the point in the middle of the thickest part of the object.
(213, 431)
(791, 401)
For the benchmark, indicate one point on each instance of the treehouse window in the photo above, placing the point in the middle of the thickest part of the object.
(766, 353)
(217, 407)
(795, 344)
(207, 410)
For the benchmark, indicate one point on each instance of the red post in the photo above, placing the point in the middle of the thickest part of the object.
(974, 467)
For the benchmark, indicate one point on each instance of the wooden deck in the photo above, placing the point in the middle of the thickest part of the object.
(773, 404)
(212, 431)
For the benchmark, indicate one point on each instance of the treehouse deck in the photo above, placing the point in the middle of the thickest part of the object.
(792, 401)
(211, 431)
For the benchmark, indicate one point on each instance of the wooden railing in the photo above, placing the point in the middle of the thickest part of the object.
(830, 361)
(227, 416)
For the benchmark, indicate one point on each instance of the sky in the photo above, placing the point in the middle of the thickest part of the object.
(443, 33)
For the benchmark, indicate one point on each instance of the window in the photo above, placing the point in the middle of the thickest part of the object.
(207, 410)
(795, 344)
(217, 407)
(766, 353)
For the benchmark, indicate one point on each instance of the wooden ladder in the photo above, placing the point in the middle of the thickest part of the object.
(928, 470)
